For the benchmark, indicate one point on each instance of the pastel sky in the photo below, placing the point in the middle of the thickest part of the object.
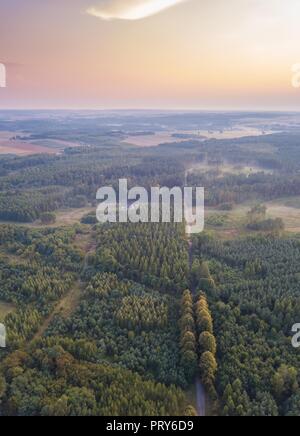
(180, 54)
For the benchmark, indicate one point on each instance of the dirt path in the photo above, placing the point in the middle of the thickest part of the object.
(65, 307)
(68, 303)
(201, 398)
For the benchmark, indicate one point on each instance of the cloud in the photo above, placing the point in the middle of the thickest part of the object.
(130, 9)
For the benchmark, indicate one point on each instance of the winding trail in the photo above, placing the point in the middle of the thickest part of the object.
(64, 307)
(68, 303)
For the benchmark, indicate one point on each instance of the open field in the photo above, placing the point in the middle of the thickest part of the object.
(23, 148)
(58, 144)
(289, 214)
(151, 140)
(5, 309)
(68, 217)
(64, 218)
(167, 137)
(11, 144)
(235, 219)
(235, 132)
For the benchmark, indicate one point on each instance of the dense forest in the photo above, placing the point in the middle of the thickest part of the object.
(30, 186)
(121, 319)
(49, 381)
(128, 325)
(118, 326)
(254, 305)
(36, 269)
(153, 254)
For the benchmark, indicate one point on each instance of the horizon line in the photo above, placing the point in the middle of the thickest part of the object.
(130, 109)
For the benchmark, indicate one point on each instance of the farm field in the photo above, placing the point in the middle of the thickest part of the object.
(23, 148)
(235, 219)
(289, 214)
(11, 144)
(151, 140)
(64, 218)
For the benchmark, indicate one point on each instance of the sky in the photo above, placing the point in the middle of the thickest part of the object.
(156, 54)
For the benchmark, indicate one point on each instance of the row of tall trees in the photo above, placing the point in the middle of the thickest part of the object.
(188, 342)
(207, 345)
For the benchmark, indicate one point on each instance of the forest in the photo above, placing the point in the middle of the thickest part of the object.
(120, 329)
(254, 305)
(122, 319)
(153, 254)
(128, 323)
(49, 381)
(36, 269)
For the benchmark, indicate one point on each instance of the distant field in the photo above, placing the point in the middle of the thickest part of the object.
(64, 217)
(236, 132)
(22, 148)
(167, 137)
(72, 216)
(151, 140)
(67, 217)
(5, 309)
(293, 202)
(275, 209)
(289, 214)
(18, 147)
(55, 143)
